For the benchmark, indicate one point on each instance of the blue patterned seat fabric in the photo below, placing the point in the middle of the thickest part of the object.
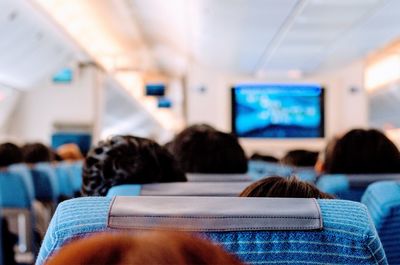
(348, 235)
(351, 187)
(383, 202)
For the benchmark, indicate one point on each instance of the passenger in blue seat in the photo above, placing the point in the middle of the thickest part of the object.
(127, 160)
(10, 154)
(300, 158)
(36, 153)
(203, 149)
(283, 188)
(362, 152)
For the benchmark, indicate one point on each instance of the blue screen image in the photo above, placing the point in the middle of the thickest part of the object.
(155, 90)
(278, 111)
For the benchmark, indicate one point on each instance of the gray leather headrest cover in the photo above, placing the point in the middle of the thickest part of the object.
(194, 189)
(363, 180)
(196, 177)
(214, 213)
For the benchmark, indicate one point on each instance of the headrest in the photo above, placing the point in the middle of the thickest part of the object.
(197, 177)
(363, 180)
(353, 180)
(180, 189)
(214, 213)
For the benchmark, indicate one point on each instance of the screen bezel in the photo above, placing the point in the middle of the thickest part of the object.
(322, 109)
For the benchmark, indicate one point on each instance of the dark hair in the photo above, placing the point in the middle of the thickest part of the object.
(363, 151)
(266, 158)
(127, 160)
(36, 152)
(10, 154)
(202, 149)
(284, 188)
(143, 248)
(300, 158)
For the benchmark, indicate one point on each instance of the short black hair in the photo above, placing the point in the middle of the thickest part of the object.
(126, 159)
(10, 154)
(300, 158)
(363, 152)
(203, 149)
(36, 152)
(265, 158)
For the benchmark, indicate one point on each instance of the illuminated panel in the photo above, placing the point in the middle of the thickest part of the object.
(382, 72)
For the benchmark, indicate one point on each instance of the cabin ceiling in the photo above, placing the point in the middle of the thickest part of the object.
(252, 37)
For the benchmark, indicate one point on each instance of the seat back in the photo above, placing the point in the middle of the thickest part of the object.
(64, 175)
(383, 202)
(256, 230)
(351, 187)
(15, 202)
(76, 176)
(45, 182)
(180, 189)
(197, 177)
(24, 172)
(261, 169)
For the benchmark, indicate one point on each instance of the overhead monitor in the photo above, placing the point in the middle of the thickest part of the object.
(164, 103)
(278, 111)
(155, 89)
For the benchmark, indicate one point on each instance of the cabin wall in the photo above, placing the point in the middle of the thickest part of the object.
(208, 101)
(48, 103)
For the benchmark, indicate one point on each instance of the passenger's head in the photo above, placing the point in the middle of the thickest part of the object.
(300, 158)
(265, 158)
(283, 188)
(36, 152)
(127, 160)
(363, 151)
(70, 152)
(10, 154)
(202, 149)
(144, 248)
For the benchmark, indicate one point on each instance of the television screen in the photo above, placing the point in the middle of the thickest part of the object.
(278, 111)
(64, 76)
(164, 103)
(155, 90)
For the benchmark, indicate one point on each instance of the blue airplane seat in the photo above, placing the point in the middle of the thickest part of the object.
(383, 202)
(351, 187)
(65, 185)
(307, 174)
(76, 176)
(24, 171)
(15, 203)
(257, 230)
(260, 169)
(45, 182)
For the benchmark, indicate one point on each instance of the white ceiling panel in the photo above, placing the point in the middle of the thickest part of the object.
(248, 36)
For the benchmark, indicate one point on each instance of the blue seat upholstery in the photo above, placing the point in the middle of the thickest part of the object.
(13, 191)
(45, 182)
(215, 189)
(347, 237)
(260, 169)
(64, 179)
(16, 202)
(25, 173)
(383, 202)
(351, 187)
(76, 176)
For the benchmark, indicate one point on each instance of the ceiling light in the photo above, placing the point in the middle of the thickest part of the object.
(382, 72)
